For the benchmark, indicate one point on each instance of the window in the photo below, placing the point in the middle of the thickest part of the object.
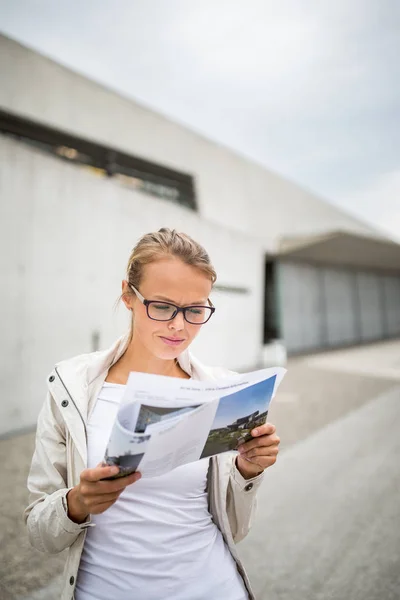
(136, 173)
(271, 316)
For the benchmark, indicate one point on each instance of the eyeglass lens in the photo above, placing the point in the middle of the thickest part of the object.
(164, 312)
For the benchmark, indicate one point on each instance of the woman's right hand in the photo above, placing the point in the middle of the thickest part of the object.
(93, 496)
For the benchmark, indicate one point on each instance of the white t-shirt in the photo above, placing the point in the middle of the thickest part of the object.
(157, 542)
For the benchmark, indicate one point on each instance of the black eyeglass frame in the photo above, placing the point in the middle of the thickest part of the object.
(177, 310)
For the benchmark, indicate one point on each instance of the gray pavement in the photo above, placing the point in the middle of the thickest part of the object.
(22, 569)
(317, 391)
(329, 518)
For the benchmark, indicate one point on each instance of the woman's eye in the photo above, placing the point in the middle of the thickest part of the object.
(162, 307)
(195, 311)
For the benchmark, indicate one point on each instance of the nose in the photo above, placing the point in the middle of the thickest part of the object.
(178, 322)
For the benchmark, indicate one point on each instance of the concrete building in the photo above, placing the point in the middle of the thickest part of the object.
(84, 172)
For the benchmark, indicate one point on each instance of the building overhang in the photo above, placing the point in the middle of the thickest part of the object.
(344, 249)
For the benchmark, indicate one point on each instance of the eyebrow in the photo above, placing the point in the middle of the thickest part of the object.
(160, 297)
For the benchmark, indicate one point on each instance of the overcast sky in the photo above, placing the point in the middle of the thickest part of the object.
(309, 88)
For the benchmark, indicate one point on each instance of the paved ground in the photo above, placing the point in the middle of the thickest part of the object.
(380, 360)
(329, 524)
(318, 390)
(22, 569)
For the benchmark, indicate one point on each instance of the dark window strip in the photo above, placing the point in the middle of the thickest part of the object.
(157, 179)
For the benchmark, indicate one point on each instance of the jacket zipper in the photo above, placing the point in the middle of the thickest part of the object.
(73, 402)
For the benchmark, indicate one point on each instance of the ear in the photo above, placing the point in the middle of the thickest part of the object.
(126, 295)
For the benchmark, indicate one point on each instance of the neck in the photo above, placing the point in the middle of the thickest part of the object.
(138, 358)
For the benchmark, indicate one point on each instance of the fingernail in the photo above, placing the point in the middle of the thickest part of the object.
(255, 432)
(114, 469)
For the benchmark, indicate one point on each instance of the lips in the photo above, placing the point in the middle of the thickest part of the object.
(172, 341)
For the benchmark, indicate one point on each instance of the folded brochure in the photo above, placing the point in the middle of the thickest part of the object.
(165, 422)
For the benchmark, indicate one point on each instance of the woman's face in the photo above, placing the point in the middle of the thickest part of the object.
(169, 280)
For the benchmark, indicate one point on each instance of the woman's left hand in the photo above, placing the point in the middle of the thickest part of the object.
(259, 453)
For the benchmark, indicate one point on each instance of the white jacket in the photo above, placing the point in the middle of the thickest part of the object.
(61, 455)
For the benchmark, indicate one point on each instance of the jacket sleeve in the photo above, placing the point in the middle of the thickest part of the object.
(241, 501)
(49, 528)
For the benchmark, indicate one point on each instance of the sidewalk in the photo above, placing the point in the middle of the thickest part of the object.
(321, 388)
(315, 392)
(378, 360)
(328, 528)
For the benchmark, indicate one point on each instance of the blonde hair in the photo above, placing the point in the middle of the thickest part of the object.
(167, 242)
(161, 244)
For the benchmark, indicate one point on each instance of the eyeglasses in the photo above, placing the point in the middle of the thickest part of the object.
(158, 310)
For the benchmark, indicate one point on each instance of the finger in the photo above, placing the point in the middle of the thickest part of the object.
(110, 495)
(265, 429)
(102, 498)
(100, 508)
(118, 484)
(264, 440)
(94, 490)
(99, 472)
(262, 451)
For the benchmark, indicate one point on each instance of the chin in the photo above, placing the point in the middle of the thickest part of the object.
(167, 355)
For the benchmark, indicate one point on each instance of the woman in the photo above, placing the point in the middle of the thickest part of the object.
(169, 537)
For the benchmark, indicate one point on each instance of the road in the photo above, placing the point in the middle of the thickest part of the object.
(329, 520)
